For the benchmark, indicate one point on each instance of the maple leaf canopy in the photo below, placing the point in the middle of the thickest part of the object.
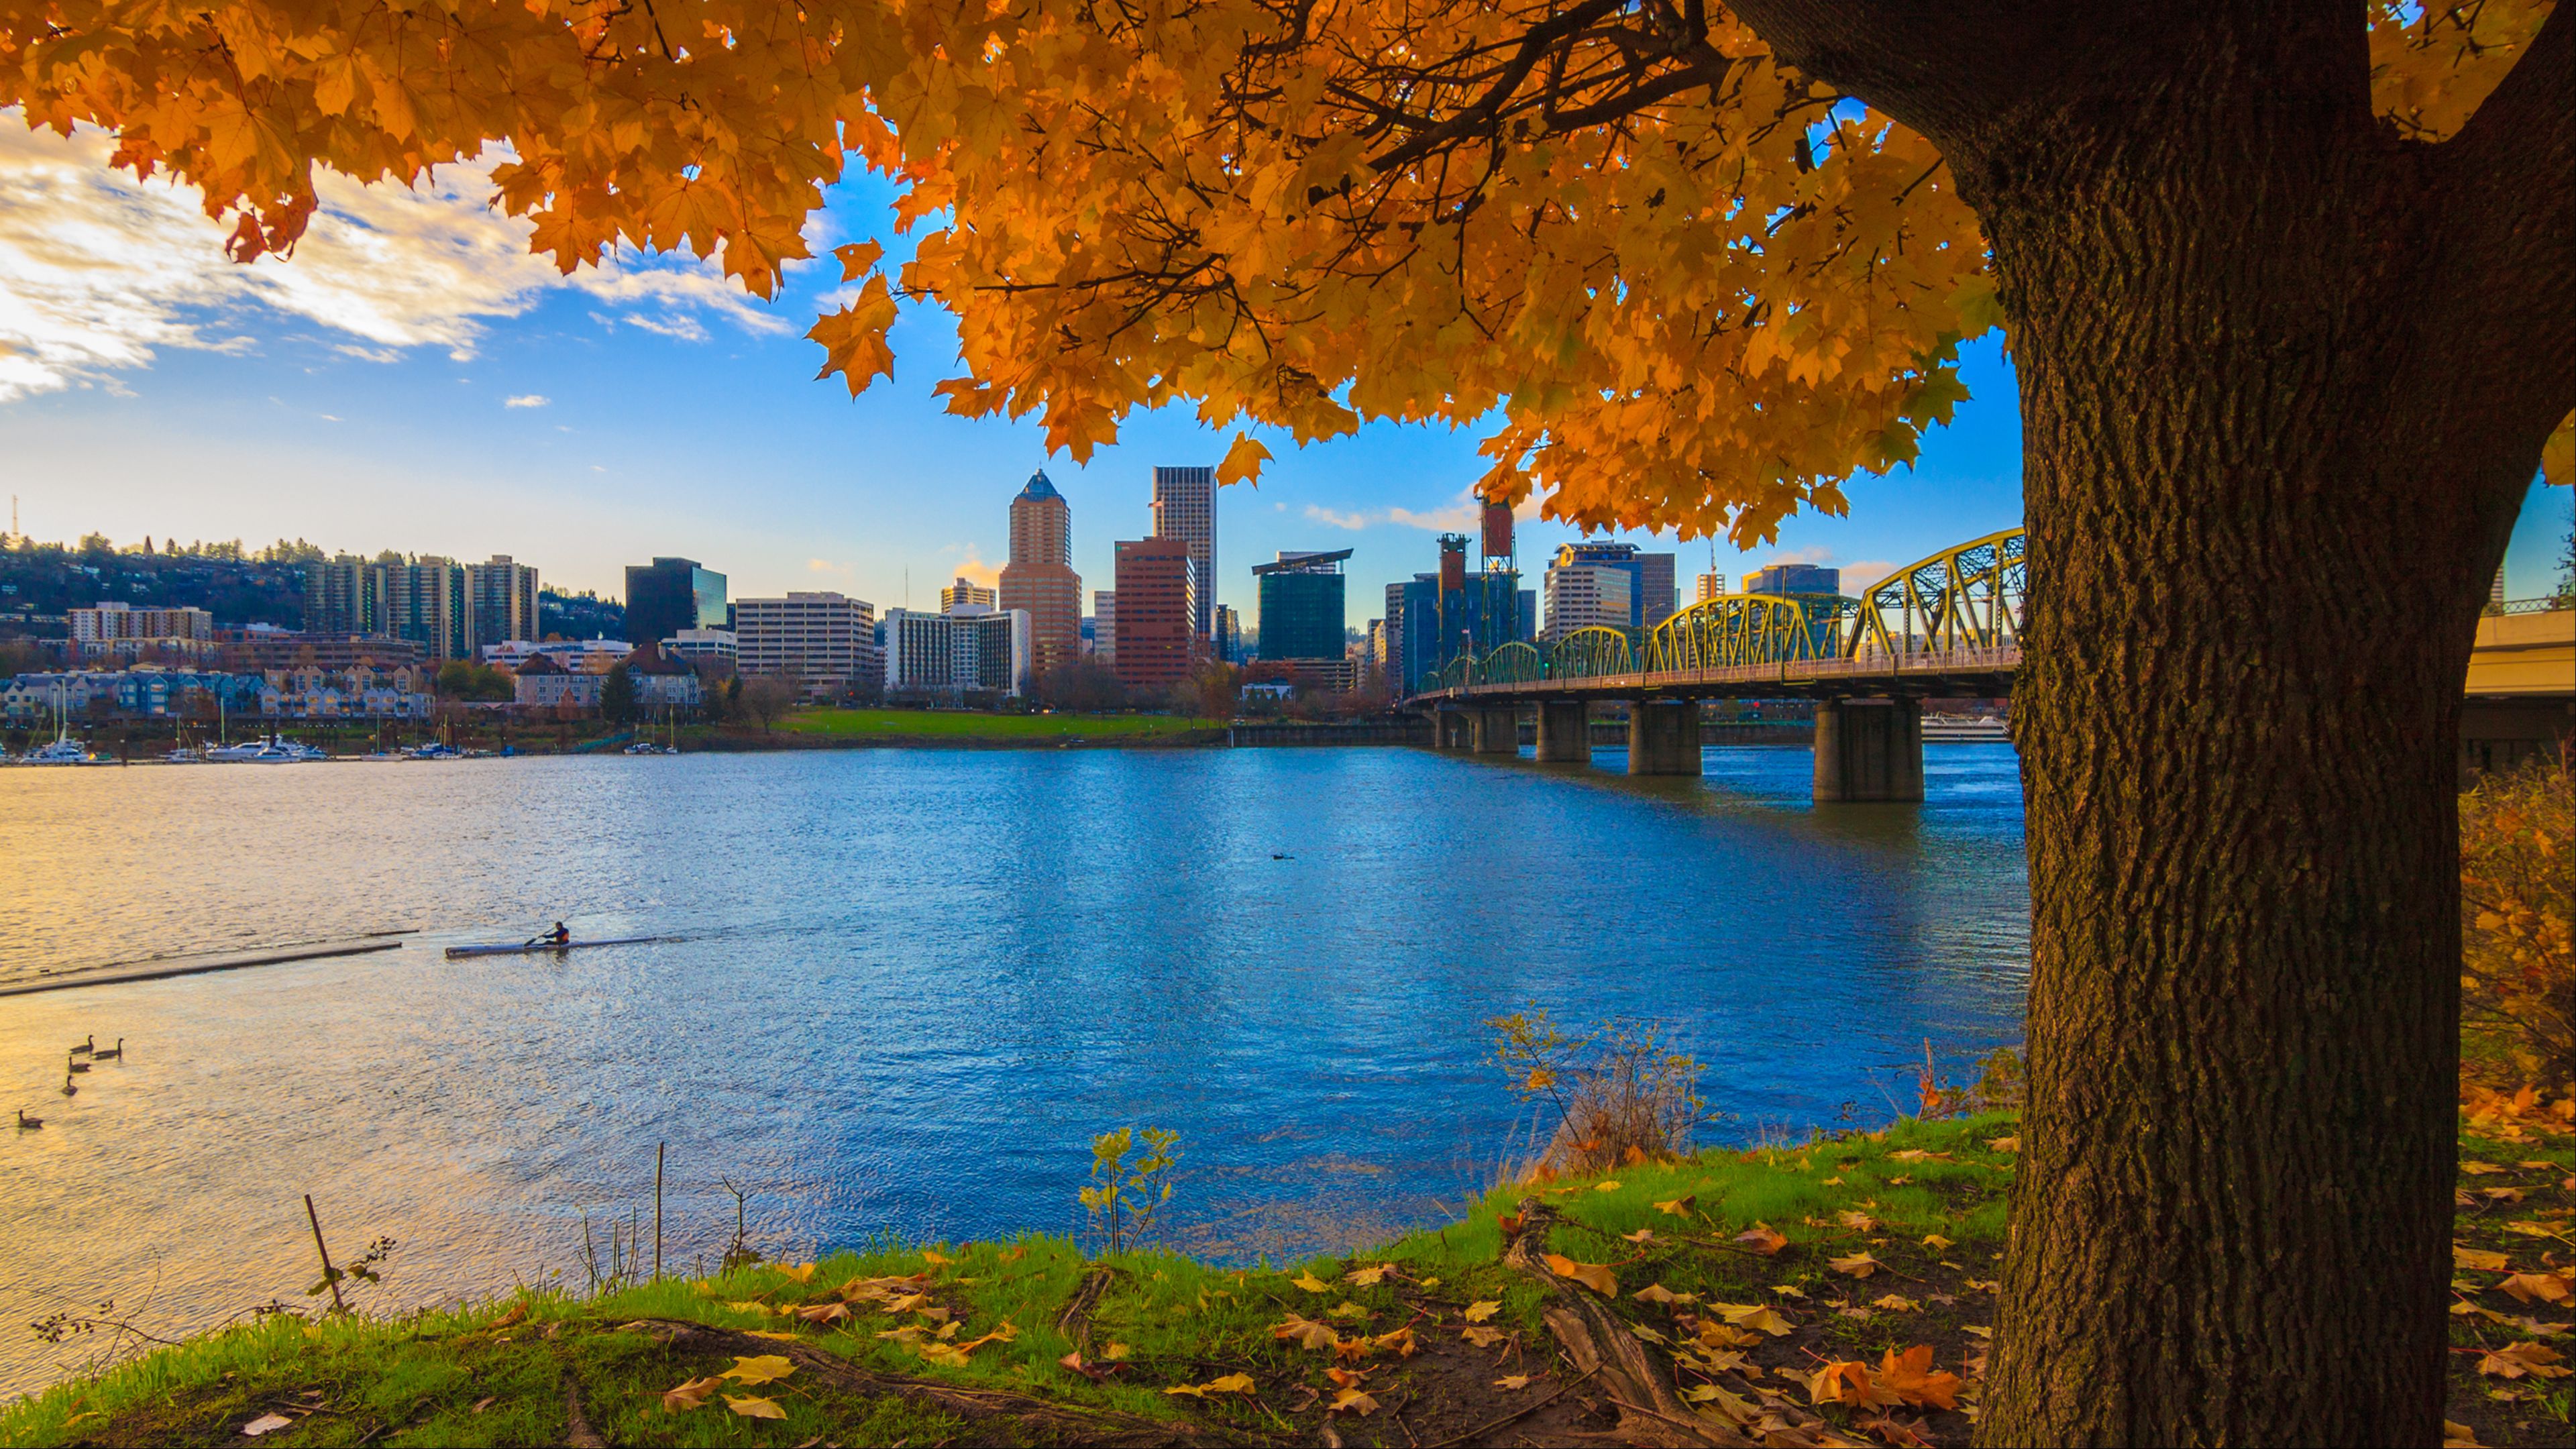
(1696, 288)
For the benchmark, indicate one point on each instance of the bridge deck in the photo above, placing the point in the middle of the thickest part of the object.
(1956, 673)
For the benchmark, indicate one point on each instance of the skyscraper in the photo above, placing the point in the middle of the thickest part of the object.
(1155, 643)
(424, 601)
(965, 593)
(1040, 577)
(1711, 585)
(1185, 509)
(1104, 625)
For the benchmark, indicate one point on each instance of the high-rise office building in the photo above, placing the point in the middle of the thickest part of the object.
(967, 594)
(1391, 655)
(669, 595)
(1040, 579)
(1228, 642)
(1655, 597)
(1185, 509)
(823, 641)
(1789, 578)
(1710, 586)
(1104, 625)
(975, 649)
(1302, 608)
(1589, 595)
(500, 602)
(1156, 642)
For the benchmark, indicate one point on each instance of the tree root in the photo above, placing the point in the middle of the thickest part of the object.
(577, 1430)
(1598, 1344)
(998, 1416)
(1075, 1321)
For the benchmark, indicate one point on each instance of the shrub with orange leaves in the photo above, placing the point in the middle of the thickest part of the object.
(1620, 1095)
(2518, 909)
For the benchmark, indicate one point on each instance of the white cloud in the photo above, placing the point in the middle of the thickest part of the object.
(1813, 554)
(1858, 576)
(99, 271)
(527, 400)
(1460, 517)
(1322, 514)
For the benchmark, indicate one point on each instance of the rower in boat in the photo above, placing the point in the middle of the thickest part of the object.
(559, 936)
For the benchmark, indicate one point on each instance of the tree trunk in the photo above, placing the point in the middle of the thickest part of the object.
(2262, 518)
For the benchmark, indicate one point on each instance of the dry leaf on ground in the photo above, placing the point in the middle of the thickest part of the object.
(751, 1408)
(1858, 1265)
(1482, 1309)
(1591, 1275)
(1762, 1239)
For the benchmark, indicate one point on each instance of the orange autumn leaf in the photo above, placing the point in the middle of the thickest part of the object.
(1910, 1376)
(1762, 1239)
(1591, 1275)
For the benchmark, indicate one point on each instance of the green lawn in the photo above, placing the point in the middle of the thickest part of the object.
(920, 724)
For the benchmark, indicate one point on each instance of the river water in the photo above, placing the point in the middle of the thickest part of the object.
(910, 986)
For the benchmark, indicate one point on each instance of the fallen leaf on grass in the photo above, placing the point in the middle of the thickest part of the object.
(1897, 1303)
(1511, 1383)
(1655, 1293)
(2546, 1287)
(1605, 1187)
(1591, 1275)
(689, 1395)
(750, 1408)
(1679, 1207)
(1510, 1223)
(936, 1260)
(1648, 1334)
(751, 1307)
(1368, 1277)
(1481, 1336)
(1114, 1353)
(266, 1424)
(1353, 1401)
(1843, 1381)
(2479, 1168)
(2478, 1259)
(1347, 1378)
(1936, 1242)
(518, 1314)
(823, 1312)
(1762, 1239)
(802, 1272)
(2501, 1194)
(1784, 1290)
(1641, 1235)
(1893, 1433)
(947, 1353)
(1400, 1343)
(1346, 1310)
(2531, 1229)
(1726, 1335)
(2459, 1436)
(1482, 1309)
(1305, 1332)
(2004, 1144)
(767, 1368)
(1312, 1284)
(2516, 1359)
(771, 1335)
(1753, 1315)
(1229, 1384)
(1858, 1265)
(1858, 1222)
(1834, 1181)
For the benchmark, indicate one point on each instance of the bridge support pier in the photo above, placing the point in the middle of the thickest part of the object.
(1497, 730)
(1449, 729)
(1565, 731)
(1869, 749)
(1663, 737)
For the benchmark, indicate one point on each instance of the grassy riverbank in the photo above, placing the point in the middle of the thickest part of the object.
(1886, 1245)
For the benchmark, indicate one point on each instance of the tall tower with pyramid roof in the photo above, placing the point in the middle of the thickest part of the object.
(1040, 576)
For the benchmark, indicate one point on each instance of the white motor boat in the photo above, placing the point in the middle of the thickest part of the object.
(267, 750)
(63, 751)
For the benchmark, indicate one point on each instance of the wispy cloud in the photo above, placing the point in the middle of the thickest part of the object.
(527, 400)
(1459, 517)
(1858, 576)
(1321, 514)
(99, 271)
(1812, 554)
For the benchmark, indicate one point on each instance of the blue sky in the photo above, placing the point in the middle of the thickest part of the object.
(410, 381)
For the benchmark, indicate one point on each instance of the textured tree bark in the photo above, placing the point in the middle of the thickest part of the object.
(2273, 447)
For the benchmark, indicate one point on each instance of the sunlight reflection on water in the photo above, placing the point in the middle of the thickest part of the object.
(911, 986)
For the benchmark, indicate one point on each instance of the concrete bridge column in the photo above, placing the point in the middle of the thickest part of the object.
(1869, 749)
(1663, 737)
(1497, 729)
(1565, 731)
(1449, 729)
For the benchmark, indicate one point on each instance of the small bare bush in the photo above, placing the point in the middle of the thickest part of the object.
(2517, 896)
(1617, 1095)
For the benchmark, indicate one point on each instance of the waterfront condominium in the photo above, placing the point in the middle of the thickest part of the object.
(1185, 509)
(500, 602)
(823, 641)
(669, 595)
(1156, 645)
(1039, 579)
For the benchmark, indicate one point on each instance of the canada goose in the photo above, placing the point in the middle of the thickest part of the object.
(109, 1054)
(1281, 855)
(73, 1065)
(68, 1089)
(87, 1045)
(26, 1122)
